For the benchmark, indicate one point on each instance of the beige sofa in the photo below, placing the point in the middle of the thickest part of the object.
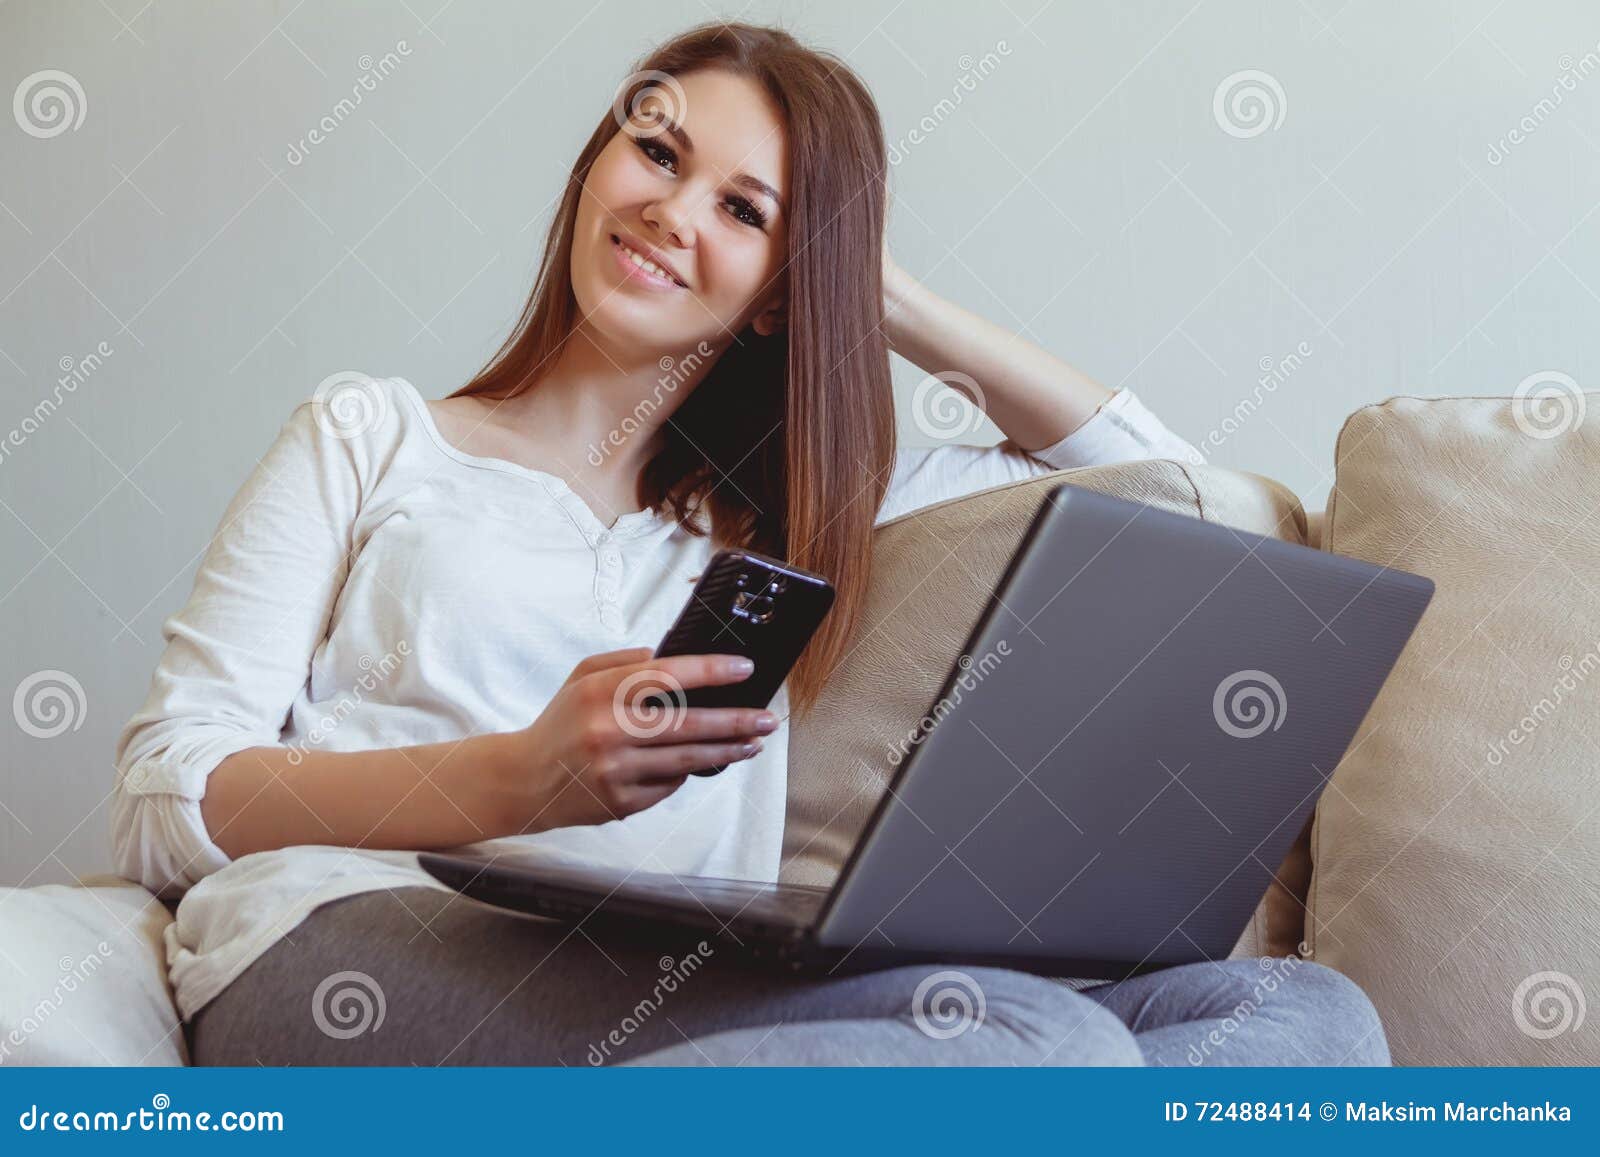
(1451, 868)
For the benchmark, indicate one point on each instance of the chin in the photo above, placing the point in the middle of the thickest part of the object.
(629, 320)
(629, 326)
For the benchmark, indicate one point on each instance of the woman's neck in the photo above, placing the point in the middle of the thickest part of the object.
(607, 406)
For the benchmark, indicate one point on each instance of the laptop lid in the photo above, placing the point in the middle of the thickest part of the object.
(1136, 732)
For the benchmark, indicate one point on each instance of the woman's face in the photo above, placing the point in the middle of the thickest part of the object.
(704, 199)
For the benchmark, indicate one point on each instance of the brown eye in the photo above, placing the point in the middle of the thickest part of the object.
(657, 152)
(744, 211)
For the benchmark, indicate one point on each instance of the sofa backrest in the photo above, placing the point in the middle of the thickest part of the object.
(1458, 847)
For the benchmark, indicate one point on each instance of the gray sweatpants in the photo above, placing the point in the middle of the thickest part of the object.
(419, 976)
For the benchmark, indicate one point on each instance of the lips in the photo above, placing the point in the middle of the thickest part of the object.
(627, 247)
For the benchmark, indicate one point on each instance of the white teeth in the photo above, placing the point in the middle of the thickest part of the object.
(646, 264)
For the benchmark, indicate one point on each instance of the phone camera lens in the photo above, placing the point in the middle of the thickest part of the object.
(756, 609)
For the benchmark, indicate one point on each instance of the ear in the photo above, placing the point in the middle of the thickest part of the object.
(770, 320)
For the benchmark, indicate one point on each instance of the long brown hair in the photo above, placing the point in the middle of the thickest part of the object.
(812, 495)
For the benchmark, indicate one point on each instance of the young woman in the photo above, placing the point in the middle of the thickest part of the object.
(401, 585)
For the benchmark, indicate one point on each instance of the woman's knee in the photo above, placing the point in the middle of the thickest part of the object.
(1332, 1020)
(1054, 1025)
(1349, 1028)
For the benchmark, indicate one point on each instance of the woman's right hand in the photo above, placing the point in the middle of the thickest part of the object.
(601, 751)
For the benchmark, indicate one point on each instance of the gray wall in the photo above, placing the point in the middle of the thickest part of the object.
(1386, 236)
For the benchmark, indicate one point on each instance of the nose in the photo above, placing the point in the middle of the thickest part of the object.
(674, 216)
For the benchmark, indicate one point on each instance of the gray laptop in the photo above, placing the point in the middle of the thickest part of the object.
(1137, 731)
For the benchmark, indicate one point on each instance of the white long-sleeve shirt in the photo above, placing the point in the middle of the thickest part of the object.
(372, 585)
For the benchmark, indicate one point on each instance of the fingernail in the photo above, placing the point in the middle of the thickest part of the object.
(766, 722)
(750, 748)
(741, 666)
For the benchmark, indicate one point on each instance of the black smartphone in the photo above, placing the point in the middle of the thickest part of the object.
(748, 604)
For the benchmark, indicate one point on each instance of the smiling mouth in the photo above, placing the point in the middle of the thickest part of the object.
(644, 265)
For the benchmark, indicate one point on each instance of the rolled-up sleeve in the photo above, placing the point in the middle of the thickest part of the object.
(239, 650)
(1123, 429)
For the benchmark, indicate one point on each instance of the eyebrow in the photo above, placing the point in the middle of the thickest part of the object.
(745, 180)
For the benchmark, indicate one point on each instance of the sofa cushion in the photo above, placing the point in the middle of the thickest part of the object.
(933, 571)
(83, 977)
(1456, 852)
